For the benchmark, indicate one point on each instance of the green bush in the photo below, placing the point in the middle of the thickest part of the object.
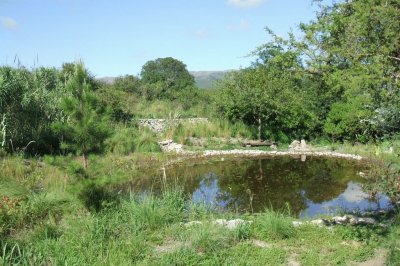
(349, 120)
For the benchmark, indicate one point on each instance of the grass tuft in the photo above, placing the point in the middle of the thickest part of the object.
(273, 225)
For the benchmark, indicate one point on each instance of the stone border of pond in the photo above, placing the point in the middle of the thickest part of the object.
(183, 155)
(282, 153)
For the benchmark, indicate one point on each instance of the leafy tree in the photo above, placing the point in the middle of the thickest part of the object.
(168, 75)
(354, 49)
(348, 120)
(269, 95)
(87, 125)
(127, 83)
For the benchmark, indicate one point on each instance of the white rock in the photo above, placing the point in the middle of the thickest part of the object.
(303, 144)
(318, 222)
(353, 221)
(232, 224)
(294, 145)
(366, 221)
(297, 223)
(221, 222)
(341, 219)
(362, 174)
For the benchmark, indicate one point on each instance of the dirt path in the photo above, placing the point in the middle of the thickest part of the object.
(379, 259)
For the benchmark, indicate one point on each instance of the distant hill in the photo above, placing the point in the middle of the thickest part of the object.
(107, 80)
(204, 79)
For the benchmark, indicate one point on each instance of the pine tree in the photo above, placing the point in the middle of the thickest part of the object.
(87, 123)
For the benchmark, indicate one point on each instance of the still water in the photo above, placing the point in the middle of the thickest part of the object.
(310, 186)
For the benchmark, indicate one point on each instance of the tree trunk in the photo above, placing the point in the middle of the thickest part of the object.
(85, 160)
(259, 128)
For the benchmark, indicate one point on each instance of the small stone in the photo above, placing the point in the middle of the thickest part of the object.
(318, 222)
(303, 144)
(366, 221)
(341, 219)
(353, 221)
(232, 224)
(362, 174)
(294, 145)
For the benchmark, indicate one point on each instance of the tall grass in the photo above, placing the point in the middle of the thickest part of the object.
(123, 142)
(272, 225)
(146, 141)
(114, 235)
(127, 140)
(213, 129)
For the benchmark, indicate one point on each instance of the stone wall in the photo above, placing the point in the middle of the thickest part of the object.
(159, 125)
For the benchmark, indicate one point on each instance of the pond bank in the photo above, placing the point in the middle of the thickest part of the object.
(283, 153)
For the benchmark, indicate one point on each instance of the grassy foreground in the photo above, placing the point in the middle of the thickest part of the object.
(53, 212)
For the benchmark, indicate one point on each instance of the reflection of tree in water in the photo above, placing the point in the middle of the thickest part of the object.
(327, 179)
(272, 182)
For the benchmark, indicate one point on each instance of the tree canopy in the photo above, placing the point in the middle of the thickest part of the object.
(344, 71)
(166, 77)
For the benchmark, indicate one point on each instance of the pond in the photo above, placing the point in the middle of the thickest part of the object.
(310, 186)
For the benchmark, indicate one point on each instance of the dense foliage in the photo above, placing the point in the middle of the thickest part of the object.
(29, 103)
(344, 71)
(339, 80)
(166, 78)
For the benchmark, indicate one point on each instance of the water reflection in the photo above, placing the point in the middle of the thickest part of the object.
(312, 186)
(352, 198)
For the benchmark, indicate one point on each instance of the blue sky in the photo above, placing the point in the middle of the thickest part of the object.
(117, 37)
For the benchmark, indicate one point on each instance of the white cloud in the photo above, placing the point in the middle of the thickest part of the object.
(8, 23)
(354, 193)
(245, 3)
(243, 25)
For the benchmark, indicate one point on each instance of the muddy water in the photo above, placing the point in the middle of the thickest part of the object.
(310, 186)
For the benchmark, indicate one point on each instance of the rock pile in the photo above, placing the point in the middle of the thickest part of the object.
(170, 146)
(341, 220)
(251, 153)
(298, 146)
